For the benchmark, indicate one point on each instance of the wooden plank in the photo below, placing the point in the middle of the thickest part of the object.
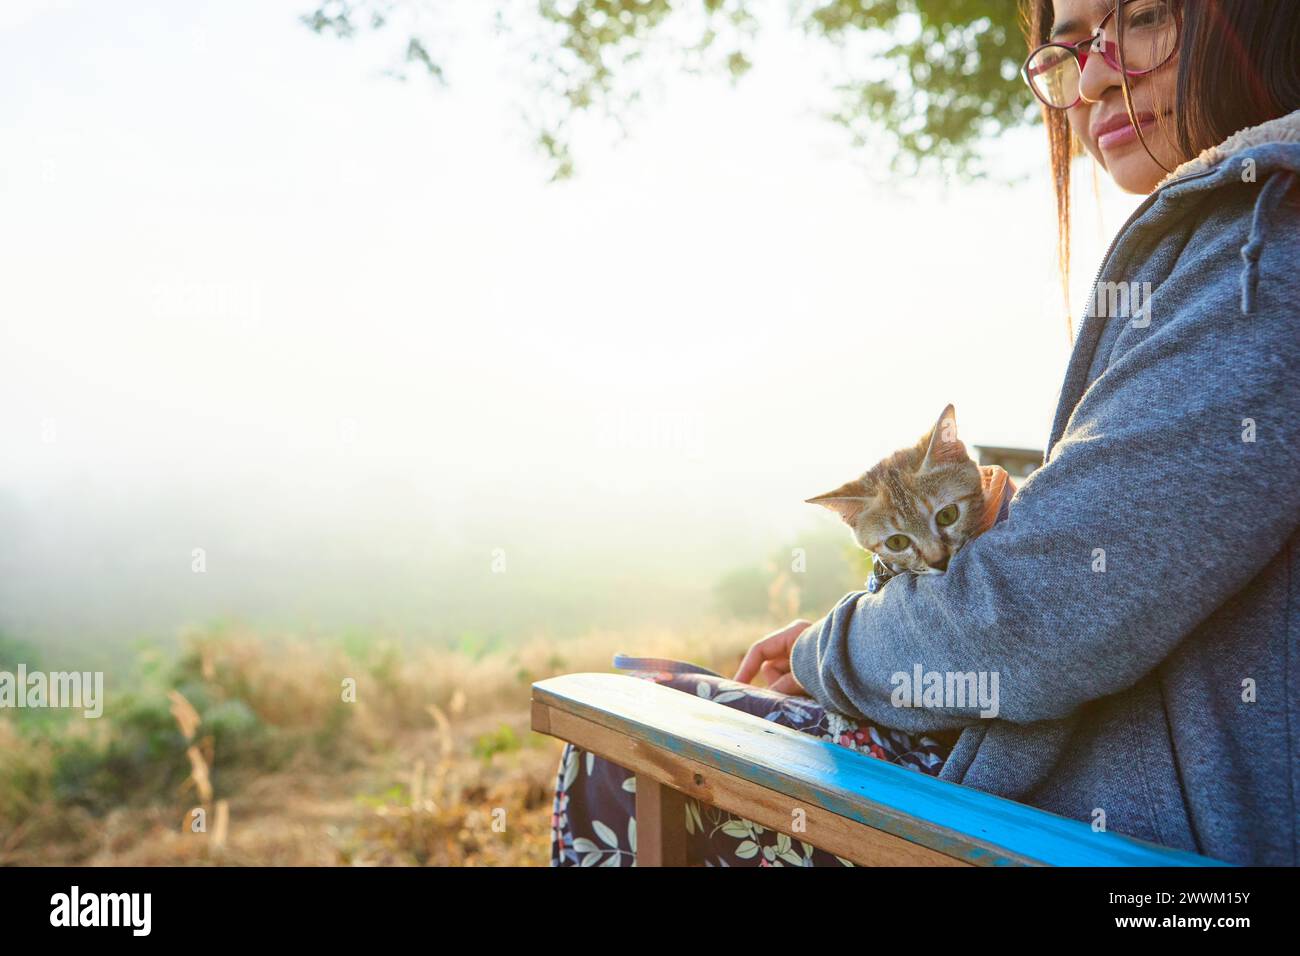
(541, 718)
(776, 811)
(806, 772)
(660, 823)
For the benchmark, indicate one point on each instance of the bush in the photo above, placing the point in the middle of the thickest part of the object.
(140, 752)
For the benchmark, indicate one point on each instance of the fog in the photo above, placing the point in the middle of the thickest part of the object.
(288, 343)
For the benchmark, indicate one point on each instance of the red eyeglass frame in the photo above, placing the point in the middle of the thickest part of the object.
(1098, 44)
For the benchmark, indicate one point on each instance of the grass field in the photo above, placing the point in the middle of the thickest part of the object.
(243, 750)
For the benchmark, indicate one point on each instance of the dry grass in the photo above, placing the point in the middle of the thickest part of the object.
(432, 764)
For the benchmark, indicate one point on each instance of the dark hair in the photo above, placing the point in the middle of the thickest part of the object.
(1238, 66)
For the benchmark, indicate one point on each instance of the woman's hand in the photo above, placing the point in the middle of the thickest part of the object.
(770, 657)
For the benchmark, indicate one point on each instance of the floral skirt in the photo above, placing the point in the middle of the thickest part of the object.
(593, 820)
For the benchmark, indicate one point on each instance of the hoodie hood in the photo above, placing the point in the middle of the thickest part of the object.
(1272, 150)
(1280, 131)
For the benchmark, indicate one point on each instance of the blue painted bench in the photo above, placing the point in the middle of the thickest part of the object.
(861, 809)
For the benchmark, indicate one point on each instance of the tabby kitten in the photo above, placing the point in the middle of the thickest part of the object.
(919, 506)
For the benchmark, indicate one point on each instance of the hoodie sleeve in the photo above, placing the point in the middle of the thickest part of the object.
(1175, 481)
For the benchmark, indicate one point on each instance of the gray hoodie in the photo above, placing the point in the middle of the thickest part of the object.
(1140, 603)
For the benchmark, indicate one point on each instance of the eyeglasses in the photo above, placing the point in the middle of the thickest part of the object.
(1148, 28)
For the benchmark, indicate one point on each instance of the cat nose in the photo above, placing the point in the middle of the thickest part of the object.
(941, 564)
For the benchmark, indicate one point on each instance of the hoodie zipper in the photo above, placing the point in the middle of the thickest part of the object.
(1105, 261)
(1145, 205)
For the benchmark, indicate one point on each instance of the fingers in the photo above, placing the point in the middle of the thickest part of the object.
(773, 670)
(788, 685)
(759, 653)
(773, 647)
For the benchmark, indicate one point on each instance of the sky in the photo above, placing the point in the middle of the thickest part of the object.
(262, 299)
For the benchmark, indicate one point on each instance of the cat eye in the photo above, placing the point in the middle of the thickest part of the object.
(897, 542)
(946, 517)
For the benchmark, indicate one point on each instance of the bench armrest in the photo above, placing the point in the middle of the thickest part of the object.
(854, 806)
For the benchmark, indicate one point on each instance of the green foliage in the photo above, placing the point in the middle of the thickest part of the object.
(742, 592)
(142, 752)
(941, 73)
(592, 43)
(25, 779)
(952, 80)
(806, 578)
(476, 645)
(328, 740)
(14, 652)
(72, 787)
(238, 736)
(396, 794)
(501, 740)
(385, 665)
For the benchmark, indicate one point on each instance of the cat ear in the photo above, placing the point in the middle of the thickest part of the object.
(847, 500)
(942, 445)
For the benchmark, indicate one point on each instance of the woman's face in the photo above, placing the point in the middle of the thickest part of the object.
(1100, 119)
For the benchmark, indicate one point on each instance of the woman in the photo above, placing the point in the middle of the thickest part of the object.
(1139, 600)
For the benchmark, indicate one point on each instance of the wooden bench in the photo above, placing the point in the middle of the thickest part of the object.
(856, 807)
